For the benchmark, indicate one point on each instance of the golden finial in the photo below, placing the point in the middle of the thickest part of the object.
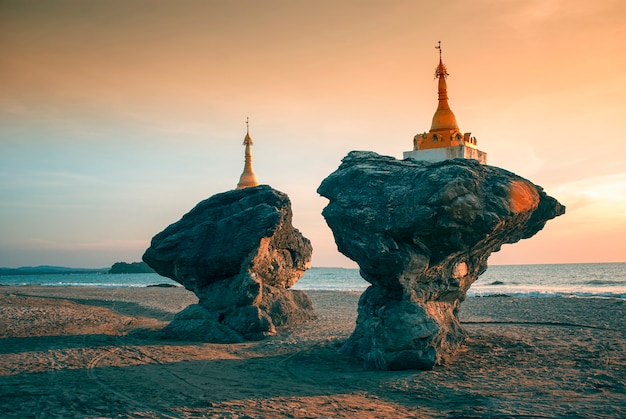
(247, 140)
(441, 70)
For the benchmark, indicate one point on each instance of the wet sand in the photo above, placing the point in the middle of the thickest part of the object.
(94, 353)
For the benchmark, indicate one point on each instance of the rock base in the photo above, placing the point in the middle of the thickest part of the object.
(239, 324)
(400, 334)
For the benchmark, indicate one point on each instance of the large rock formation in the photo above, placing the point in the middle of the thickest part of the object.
(239, 253)
(421, 234)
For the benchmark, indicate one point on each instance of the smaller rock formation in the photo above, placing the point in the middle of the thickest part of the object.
(239, 253)
(421, 233)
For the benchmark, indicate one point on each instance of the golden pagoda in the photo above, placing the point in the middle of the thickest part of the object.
(445, 140)
(247, 178)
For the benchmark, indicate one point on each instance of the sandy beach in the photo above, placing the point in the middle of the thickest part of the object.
(82, 352)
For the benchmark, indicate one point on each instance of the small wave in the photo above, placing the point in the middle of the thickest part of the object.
(602, 282)
(334, 289)
(546, 294)
(91, 284)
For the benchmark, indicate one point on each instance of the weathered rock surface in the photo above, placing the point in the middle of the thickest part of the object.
(421, 234)
(239, 253)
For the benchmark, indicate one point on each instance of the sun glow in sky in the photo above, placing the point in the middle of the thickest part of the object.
(117, 117)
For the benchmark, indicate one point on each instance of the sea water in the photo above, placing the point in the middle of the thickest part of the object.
(563, 280)
(601, 280)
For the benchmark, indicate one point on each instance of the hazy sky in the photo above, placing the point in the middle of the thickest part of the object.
(117, 117)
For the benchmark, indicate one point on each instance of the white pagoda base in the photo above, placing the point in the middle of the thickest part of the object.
(447, 153)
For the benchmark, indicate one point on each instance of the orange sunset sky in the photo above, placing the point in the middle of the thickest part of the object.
(117, 117)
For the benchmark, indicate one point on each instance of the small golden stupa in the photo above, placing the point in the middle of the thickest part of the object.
(247, 178)
(444, 141)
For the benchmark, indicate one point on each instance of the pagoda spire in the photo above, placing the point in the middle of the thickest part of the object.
(445, 140)
(248, 178)
(444, 118)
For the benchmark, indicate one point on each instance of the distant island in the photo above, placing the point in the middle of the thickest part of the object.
(131, 268)
(49, 270)
(117, 268)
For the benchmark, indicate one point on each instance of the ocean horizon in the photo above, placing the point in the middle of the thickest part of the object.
(584, 280)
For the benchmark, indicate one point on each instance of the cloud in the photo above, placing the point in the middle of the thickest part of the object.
(607, 189)
(596, 203)
(39, 243)
(47, 179)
